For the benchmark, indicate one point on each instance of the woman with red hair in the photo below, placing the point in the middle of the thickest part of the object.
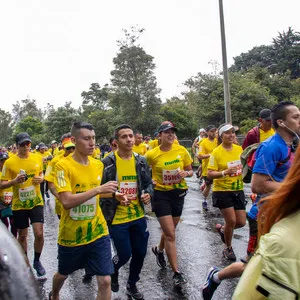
(274, 270)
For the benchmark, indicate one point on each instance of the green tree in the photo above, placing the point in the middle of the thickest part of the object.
(59, 121)
(33, 126)
(6, 128)
(136, 96)
(176, 110)
(25, 108)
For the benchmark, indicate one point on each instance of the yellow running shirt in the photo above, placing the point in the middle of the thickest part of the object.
(263, 135)
(222, 159)
(165, 166)
(127, 184)
(84, 223)
(26, 195)
(141, 149)
(206, 147)
(50, 177)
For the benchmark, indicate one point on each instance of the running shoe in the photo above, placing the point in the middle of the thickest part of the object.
(133, 292)
(204, 205)
(178, 279)
(115, 282)
(229, 254)
(160, 257)
(87, 278)
(40, 270)
(220, 230)
(209, 286)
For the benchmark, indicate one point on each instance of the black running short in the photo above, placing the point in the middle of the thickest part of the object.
(22, 217)
(235, 199)
(168, 203)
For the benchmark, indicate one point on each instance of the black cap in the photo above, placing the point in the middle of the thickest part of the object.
(42, 145)
(166, 126)
(3, 155)
(265, 114)
(210, 127)
(22, 137)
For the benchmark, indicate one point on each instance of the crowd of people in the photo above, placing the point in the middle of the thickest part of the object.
(100, 194)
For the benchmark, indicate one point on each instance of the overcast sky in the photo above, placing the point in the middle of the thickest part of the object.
(53, 50)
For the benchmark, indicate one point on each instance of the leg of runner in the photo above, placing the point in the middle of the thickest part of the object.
(104, 291)
(168, 225)
(22, 238)
(57, 283)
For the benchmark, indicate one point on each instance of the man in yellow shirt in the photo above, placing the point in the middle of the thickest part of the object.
(45, 156)
(263, 131)
(83, 240)
(54, 149)
(24, 172)
(206, 147)
(69, 148)
(139, 147)
(128, 227)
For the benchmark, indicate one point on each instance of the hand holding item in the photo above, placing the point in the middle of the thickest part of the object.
(37, 179)
(122, 198)
(145, 197)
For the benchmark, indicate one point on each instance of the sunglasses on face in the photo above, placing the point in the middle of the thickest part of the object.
(70, 148)
(24, 144)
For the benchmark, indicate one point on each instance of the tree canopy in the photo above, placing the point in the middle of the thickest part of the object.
(260, 78)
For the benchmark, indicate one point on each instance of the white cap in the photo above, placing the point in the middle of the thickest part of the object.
(202, 130)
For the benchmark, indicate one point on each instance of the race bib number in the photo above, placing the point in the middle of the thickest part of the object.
(171, 177)
(7, 197)
(84, 211)
(129, 188)
(27, 194)
(238, 165)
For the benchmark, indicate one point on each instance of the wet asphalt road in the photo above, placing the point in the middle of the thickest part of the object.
(198, 248)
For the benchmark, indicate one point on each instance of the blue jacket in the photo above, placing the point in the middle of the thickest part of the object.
(144, 183)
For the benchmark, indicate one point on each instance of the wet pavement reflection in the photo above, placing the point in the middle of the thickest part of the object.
(198, 248)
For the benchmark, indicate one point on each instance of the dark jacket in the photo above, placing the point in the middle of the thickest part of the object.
(144, 183)
(252, 137)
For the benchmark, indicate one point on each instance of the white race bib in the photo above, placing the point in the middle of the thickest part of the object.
(238, 164)
(27, 193)
(129, 188)
(7, 197)
(84, 211)
(170, 177)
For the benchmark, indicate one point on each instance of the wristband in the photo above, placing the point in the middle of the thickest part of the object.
(223, 173)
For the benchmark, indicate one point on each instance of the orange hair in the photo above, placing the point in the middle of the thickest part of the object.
(283, 202)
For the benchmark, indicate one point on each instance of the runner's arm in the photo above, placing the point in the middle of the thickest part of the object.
(4, 184)
(263, 184)
(69, 200)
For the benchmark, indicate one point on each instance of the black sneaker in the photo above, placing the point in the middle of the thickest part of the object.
(87, 278)
(160, 258)
(229, 254)
(40, 270)
(204, 206)
(115, 282)
(178, 279)
(209, 286)
(133, 292)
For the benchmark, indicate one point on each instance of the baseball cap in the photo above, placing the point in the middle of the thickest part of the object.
(22, 137)
(225, 128)
(3, 155)
(42, 145)
(202, 130)
(265, 114)
(54, 142)
(210, 127)
(164, 127)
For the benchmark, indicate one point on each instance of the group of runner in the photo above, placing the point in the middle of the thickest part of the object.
(98, 200)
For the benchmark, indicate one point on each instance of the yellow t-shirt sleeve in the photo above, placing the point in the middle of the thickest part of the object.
(62, 180)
